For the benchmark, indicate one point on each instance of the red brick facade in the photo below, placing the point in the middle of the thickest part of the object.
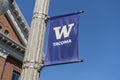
(6, 25)
(9, 64)
(8, 67)
(2, 65)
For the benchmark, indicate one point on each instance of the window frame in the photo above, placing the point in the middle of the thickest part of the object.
(15, 75)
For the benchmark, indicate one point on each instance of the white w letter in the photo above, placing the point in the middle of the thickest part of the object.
(63, 32)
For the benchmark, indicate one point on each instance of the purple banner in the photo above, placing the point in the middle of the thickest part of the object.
(62, 43)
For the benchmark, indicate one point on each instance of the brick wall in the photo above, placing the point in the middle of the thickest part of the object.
(2, 64)
(11, 65)
(7, 66)
(4, 22)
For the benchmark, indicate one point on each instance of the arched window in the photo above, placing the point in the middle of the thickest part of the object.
(6, 32)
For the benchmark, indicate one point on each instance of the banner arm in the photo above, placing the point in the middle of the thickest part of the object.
(63, 63)
(74, 13)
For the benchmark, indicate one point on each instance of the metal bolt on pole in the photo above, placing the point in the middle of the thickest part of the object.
(33, 60)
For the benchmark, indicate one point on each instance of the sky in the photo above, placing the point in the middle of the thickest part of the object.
(99, 39)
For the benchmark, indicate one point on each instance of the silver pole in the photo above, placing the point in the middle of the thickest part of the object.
(33, 60)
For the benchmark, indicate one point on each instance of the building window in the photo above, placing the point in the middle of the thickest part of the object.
(6, 32)
(15, 75)
(0, 28)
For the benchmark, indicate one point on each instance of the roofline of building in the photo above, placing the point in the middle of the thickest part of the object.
(18, 22)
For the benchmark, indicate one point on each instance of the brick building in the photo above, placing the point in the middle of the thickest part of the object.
(13, 39)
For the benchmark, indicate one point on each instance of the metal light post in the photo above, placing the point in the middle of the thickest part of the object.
(33, 60)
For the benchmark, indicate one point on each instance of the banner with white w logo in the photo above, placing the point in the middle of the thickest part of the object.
(62, 44)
